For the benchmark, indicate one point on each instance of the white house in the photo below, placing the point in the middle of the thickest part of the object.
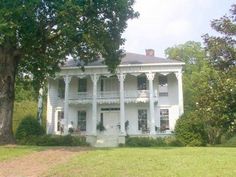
(143, 98)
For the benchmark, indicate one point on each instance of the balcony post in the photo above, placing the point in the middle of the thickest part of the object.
(121, 78)
(180, 92)
(150, 77)
(94, 78)
(67, 80)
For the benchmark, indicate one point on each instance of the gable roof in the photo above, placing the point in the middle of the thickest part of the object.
(129, 59)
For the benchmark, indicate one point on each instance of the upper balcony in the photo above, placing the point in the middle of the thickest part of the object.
(111, 97)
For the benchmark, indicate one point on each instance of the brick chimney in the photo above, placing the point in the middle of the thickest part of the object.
(150, 52)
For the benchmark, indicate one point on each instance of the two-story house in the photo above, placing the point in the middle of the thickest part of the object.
(143, 98)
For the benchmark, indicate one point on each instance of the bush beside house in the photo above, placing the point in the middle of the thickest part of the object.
(30, 132)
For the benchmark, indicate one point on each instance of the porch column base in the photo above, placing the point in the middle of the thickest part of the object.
(91, 139)
(121, 139)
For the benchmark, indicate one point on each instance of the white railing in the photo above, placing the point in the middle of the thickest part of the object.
(137, 94)
(110, 95)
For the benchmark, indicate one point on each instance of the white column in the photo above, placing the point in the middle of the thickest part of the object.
(67, 80)
(94, 78)
(180, 92)
(150, 77)
(121, 78)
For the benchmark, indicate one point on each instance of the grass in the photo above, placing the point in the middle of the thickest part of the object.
(142, 162)
(10, 152)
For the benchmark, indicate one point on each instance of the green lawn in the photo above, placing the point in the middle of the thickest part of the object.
(9, 152)
(151, 162)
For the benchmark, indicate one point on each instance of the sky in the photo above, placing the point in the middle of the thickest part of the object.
(166, 23)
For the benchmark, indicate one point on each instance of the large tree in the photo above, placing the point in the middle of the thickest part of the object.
(194, 57)
(38, 35)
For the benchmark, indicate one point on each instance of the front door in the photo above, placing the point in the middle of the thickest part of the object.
(111, 122)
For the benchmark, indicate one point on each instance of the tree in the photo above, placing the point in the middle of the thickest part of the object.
(222, 55)
(221, 49)
(194, 57)
(37, 36)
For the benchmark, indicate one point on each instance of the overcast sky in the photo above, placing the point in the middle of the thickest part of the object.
(165, 23)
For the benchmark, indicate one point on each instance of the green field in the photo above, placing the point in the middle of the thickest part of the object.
(151, 162)
(137, 162)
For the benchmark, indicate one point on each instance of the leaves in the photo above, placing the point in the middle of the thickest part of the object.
(47, 31)
(221, 49)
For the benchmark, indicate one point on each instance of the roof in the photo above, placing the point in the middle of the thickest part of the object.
(129, 59)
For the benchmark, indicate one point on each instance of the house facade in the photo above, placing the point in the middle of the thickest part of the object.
(143, 98)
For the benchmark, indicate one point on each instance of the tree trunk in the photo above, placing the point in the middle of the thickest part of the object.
(8, 66)
(40, 106)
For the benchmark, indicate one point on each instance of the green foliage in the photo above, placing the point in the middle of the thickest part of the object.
(68, 140)
(231, 142)
(24, 90)
(24, 109)
(221, 49)
(189, 130)
(218, 105)
(54, 140)
(151, 142)
(28, 127)
(46, 32)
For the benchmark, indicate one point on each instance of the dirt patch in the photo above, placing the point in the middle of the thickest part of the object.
(37, 163)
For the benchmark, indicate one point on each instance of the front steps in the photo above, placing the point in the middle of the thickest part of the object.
(105, 140)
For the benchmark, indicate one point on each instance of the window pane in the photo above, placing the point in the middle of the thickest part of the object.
(82, 85)
(61, 88)
(162, 80)
(142, 82)
(60, 117)
(142, 119)
(81, 120)
(164, 116)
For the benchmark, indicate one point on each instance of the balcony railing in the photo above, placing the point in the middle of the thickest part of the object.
(110, 95)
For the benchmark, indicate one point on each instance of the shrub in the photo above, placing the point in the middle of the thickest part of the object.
(24, 109)
(28, 129)
(189, 130)
(172, 141)
(54, 140)
(152, 142)
(58, 140)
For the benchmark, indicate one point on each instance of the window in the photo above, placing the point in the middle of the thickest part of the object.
(164, 116)
(81, 120)
(82, 85)
(163, 86)
(61, 88)
(142, 119)
(102, 84)
(142, 82)
(60, 118)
